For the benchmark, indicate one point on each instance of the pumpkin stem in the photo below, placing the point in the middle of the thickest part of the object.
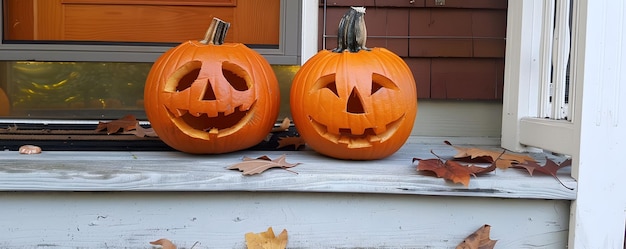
(216, 32)
(352, 32)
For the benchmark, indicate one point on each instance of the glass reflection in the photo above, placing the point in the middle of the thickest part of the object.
(88, 90)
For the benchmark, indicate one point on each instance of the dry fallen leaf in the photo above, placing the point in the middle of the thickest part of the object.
(142, 132)
(126, 123)
(164, 243)
(287, 141)
(505, 160)
(251, 166)
(451, 170)
(478, 240)
(129, 125)
(29, 149)
(283, 125)
(266, 240)
(550, 168)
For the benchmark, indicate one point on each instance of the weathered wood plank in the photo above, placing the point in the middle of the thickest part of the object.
(175, 171)
(313, 220)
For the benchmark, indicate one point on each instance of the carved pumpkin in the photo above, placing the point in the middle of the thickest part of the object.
(211, 97)
(354, 102)
(4, 103)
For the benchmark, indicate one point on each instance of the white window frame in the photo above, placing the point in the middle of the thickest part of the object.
(593, 136)
(530, 119)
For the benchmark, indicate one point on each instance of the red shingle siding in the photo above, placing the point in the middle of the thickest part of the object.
(455, 51)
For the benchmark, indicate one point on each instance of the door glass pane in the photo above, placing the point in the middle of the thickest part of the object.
(87, 90)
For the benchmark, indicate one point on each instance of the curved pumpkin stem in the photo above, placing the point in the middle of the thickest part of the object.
(216, 32)
(352, 32)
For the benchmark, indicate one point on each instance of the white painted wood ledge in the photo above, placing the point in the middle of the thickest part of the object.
(176, 171)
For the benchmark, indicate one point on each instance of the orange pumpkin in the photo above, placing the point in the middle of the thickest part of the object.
(211, 97)
(354, 102)
(4, 104)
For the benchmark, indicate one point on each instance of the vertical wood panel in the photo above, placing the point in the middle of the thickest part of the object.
(49, 20)
(257, 21)
(18, 20)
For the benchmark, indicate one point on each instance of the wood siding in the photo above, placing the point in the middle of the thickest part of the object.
(455, 51)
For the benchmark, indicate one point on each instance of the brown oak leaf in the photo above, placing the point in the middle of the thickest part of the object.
(252, 166)
(142, 132)
(286, 141)
(266, 240)
(126, 123)
(164, 243)
(503, 161)
(478, 240)
(451, 170)
(550, 168)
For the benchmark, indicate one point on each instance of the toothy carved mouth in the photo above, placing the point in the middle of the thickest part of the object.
(220, 124)
(366, 139)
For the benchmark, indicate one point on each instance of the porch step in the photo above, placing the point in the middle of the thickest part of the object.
(116, 199)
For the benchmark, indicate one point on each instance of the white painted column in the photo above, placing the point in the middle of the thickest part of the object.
(598, 214)
(310, 11)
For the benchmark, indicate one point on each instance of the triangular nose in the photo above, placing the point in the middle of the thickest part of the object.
(209, 94)
(354, 105)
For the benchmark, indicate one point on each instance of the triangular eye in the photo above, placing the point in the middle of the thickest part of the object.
(332, 86)
(375, 87)
(327, 82)
(235, 76)
(379, 82)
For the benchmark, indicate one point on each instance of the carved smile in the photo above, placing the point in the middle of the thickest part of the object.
(366, 139)
(203, 124)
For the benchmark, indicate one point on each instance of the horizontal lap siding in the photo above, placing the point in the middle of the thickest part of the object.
(455, 51)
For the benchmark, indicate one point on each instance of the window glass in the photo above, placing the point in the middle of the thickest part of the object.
(87, 90)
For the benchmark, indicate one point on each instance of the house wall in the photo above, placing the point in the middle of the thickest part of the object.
(455, 50)
(454, 118)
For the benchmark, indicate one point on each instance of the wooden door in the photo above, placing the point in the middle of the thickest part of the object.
(169, 21)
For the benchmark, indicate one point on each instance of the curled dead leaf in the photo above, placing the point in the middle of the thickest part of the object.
(478, 240)
(126, 123)
(504, 160)
(266, 240)
(287, 141)
(29, 149)
(164, 243)
(284, 126)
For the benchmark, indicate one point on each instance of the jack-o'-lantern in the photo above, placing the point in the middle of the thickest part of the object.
(208, 97)
(354, 102)
(4, 103)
